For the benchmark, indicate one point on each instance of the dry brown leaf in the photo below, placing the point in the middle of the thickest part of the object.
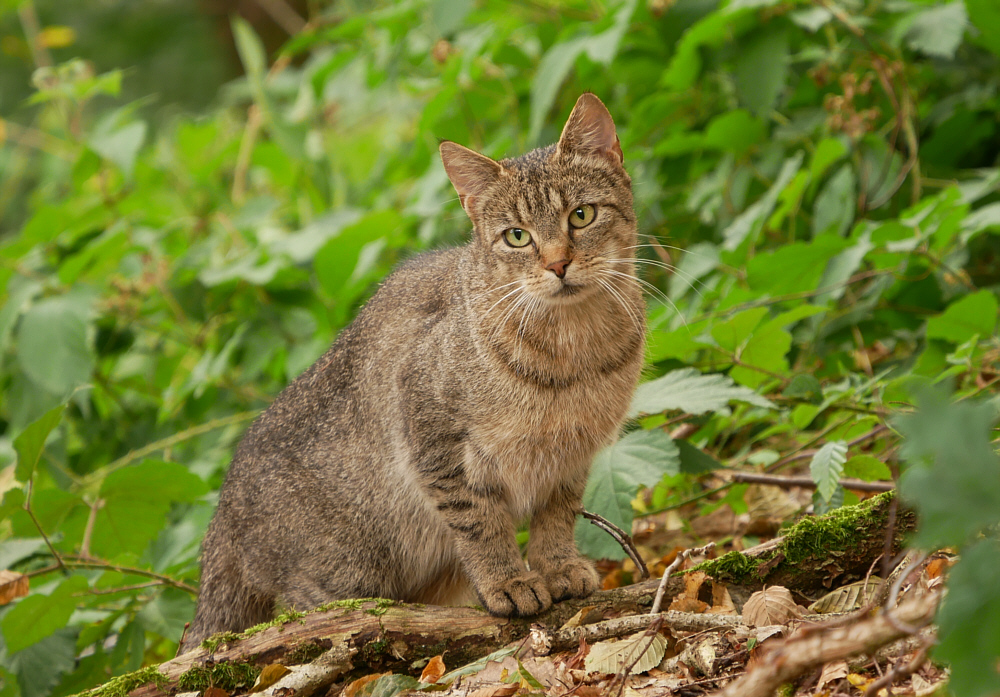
(612, 580)
(722, 602)
(769, 502)
(270, 675)
(12, 585)
(498, 690)
(837, 670)
(772, 605)
(692, 583)
(847, 598)
(433, 670)
(355, 687)
(684, 604)
(586, 615)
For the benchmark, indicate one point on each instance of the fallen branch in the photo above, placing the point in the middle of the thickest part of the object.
(813, 646)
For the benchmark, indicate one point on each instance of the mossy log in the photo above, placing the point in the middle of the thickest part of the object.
(824, 552)
(815, 554)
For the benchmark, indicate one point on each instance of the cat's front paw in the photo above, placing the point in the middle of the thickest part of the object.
(575, 578)
(520, 596)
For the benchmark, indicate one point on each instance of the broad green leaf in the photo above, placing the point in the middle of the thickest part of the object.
(827, 467)
(811, 19)
(136, 502)
(827, 152)
(937, 31)
(392, 685)
(752, 219)
(52, 344)
(735, 131)
(38, 667)
(695, 460)
(731, 334)
(641, 457)
(13, 307)
(841, 268)
(951, 475)
(448, 15)
(974, 314)
(168, 612)
(805, 386)
(985, 16)
(37, 616)
(834, 208)
(688, 390)
(31, 442)
(337, 260)
(969, 621)
(762, 69)
(868, 468)
(120, 145)
(793, 268)
(713, 30)
(765, 351)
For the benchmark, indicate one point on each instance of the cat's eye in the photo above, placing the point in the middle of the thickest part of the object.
(582, 216)
(516, 237)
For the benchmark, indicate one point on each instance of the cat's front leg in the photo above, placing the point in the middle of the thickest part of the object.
(552, 550)
(485, 539)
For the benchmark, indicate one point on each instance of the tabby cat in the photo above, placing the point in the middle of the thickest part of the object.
(469, 394)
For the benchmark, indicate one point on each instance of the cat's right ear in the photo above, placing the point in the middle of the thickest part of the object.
(470, 173)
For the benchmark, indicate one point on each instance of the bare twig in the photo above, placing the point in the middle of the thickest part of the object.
(806, 482)
(283, 15)
(890, 603)
(811, 646)
(807, 454)
(80, 563)
(88, 531)
(60, 564)
(618, 684)
(622, 538)
(902, 670)
(678, 560)
(567, 638)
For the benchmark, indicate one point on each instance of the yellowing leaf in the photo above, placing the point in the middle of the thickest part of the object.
(612, 657)
(270, 675)
(433, 670)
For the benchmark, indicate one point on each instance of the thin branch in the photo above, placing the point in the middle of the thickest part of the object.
(283, 15)
(79, 563)
(88, 531)
(622, 538)
(60, 564)
(808, 483)
(678, 560)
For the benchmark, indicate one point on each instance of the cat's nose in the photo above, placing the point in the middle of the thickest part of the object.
(558, 267)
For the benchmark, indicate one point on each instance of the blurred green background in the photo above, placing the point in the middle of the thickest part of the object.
(196, 195)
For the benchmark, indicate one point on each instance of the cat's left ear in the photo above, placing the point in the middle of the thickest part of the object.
(470, 173)
(590, 128)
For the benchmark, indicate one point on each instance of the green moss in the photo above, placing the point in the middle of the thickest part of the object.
(306, 652)
(123, 684)
(381, 605)
(228, 676)
(733, 567)
(374, 649)
(811, 537)
(213, 642)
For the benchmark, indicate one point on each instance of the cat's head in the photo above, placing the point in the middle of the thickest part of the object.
(557, 222)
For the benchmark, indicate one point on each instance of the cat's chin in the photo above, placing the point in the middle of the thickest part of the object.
(568, 294)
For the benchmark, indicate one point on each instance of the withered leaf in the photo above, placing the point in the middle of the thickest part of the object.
(270, 675)
(613, 657)
(12, 585)
(433, 670)
(772, 605)
(354, 688)
(847, 598)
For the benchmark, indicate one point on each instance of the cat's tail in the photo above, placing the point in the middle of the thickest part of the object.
(226, 602)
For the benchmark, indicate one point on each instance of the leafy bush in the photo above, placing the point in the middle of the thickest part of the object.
(825, 175)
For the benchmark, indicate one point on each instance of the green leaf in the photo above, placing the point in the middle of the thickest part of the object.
(31, 442)
(37, 616)
(641, 457)
(827, 467)
(985, 16)
(793, 268)
(969, 621)
(752, 219)
(136, 502)
(867, 468)
(952, 471)
(337, 260)
(735, 131)
(827, 152)
(392, 685)
(834, 208)
(120, 145)
(805, 386)
(168, 613)
(765, 351)
(732, 333)
(712, 30)
(38, 667)
(937, 31)
(762, 69)
(52, 344)
(695, 460)
(974, 314)
(688, 390)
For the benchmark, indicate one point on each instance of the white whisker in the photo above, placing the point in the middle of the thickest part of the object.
(639, 325)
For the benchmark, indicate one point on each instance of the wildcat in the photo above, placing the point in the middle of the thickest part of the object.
(470, 393)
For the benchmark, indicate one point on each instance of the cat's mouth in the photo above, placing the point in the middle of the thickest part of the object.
(567, 290)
